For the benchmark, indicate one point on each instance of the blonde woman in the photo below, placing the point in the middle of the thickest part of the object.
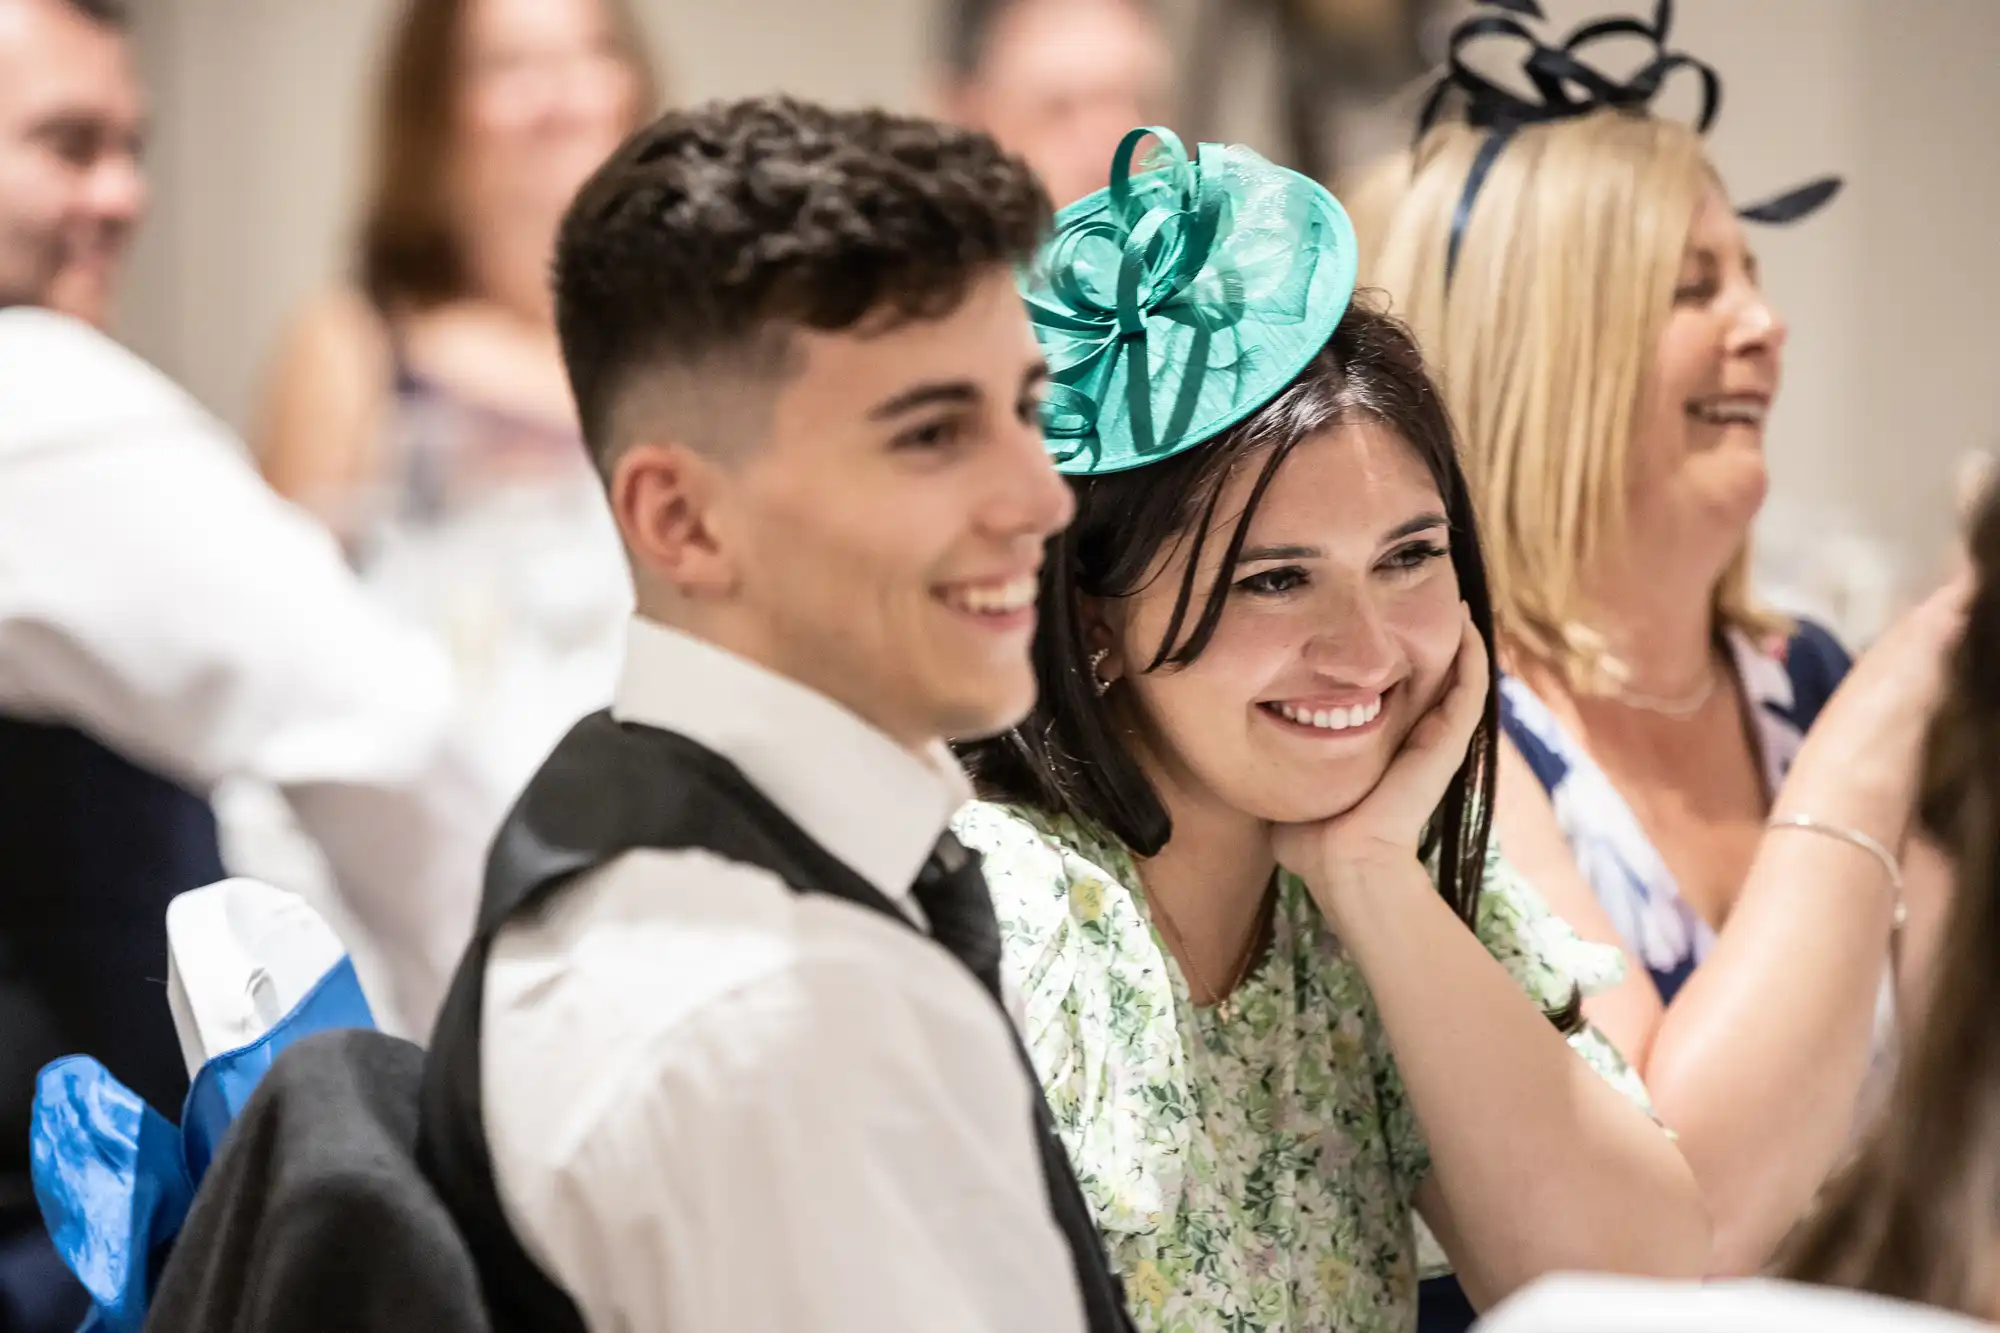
(1586, 290)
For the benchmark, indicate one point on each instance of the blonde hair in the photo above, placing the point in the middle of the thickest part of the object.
(1564, 277)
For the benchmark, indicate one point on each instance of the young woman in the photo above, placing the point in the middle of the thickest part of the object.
(1588, 294)
(1236, 849)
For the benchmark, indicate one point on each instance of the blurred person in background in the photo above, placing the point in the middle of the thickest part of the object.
(72, 121)
(422, 413)
(1057, 81)
(1588, 294)
(166, 624)
(1917, 1215)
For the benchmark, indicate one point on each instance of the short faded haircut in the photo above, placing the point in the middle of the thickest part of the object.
(711, 234)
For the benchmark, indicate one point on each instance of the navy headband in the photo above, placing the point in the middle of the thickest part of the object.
(1565, 86)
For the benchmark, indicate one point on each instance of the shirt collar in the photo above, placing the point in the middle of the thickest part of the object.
(877, 806)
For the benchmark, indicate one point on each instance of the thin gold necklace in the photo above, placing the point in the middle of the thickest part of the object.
(1225, 998)
(1681, 707)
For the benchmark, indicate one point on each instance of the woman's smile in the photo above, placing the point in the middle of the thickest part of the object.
(1349, 714)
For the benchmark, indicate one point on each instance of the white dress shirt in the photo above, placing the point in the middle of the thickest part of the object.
(718, 1106)
(155, 594)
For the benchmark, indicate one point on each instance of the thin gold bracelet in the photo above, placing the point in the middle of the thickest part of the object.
(1853, 838)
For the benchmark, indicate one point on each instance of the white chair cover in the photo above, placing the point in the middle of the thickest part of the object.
(241, 955)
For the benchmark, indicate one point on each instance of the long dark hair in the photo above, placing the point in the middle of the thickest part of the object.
(1069, 756)
(1917, 1214)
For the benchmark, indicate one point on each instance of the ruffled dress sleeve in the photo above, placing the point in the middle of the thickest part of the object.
(1553, 964)
(1098, 1005)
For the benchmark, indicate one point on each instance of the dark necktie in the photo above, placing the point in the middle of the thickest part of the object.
(953, 894)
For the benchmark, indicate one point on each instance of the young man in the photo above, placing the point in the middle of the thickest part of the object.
(727, 1052)
(1057, 81)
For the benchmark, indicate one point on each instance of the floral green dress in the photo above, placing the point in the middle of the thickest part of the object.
(1254, 1175)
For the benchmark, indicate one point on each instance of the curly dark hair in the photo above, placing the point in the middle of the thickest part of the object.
(711, 227)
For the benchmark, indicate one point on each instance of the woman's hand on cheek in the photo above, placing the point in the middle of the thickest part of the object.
(1388, 824)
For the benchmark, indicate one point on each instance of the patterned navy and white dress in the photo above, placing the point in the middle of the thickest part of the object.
(1787, 684)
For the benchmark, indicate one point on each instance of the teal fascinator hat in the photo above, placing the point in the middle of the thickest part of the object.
(1177, 301)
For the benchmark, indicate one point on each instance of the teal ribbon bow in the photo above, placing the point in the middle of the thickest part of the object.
(1181, 298)
(1165, 238)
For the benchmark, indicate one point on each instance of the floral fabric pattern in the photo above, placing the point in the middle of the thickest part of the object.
(1254, 1175)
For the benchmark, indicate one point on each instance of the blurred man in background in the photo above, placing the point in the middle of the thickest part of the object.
(1057, 81)
(72, 120)
(166, 623)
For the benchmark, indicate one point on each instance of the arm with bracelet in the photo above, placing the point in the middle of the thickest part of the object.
(1758, 1061)
(1892, 868)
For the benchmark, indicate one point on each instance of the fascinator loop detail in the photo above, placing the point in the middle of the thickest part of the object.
(1170, 300)
(1562, 83)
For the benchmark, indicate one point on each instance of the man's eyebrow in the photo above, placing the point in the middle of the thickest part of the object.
(932, 394)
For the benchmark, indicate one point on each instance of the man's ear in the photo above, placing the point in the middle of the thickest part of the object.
(664, 498)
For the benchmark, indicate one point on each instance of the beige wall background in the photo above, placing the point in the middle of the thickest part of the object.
(1893, 294)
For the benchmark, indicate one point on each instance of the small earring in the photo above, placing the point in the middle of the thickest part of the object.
(1099, 683)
